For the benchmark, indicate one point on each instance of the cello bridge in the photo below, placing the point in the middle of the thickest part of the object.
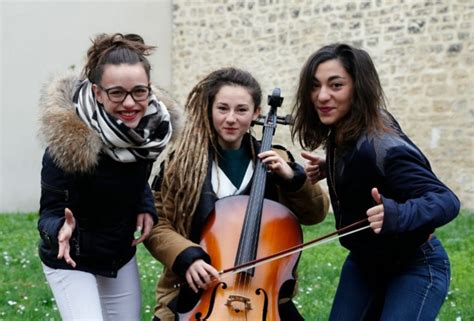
(238, 303)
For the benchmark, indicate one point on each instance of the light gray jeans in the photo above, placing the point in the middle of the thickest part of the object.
(88, 297)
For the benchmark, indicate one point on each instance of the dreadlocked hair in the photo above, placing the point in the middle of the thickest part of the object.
(186, 169)
(187, 166)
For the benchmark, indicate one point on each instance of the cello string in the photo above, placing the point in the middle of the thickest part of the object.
(260, 182)
(254, 237)
(251, 241)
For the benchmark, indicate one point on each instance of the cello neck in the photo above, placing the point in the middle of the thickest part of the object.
(248, 243)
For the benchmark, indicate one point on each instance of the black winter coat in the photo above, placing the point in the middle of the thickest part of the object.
(105, 196)
(105, 204)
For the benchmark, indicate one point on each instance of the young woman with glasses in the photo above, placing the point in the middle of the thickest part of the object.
(397, 269)
(103, 132)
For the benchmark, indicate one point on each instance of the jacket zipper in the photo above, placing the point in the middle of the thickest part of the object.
(332, 176)
(76, 245)
(50, 188)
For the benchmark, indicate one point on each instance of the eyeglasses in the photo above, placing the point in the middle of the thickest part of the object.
(118, 94)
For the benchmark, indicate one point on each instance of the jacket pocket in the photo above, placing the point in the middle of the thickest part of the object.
(100, 245)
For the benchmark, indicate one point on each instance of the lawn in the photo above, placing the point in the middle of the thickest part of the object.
(24, 294)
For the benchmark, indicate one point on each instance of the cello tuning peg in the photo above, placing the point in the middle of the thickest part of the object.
(275, 99)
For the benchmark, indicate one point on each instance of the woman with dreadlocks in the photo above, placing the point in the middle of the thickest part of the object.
(214, 158)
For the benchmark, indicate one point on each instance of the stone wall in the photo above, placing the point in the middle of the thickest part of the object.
(423, 50)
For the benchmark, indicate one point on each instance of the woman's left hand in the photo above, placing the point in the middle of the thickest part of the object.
(314, 167)
(275, 163)
(144, 226)
(376, 213)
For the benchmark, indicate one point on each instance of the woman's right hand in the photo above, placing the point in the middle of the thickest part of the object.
(64, 235)
(200, 274)
(314, 167)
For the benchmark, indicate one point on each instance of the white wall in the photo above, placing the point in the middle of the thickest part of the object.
(43, 38)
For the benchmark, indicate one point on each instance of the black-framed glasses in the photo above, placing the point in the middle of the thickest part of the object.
(118, 94)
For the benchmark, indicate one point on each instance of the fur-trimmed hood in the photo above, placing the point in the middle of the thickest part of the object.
(72, 144)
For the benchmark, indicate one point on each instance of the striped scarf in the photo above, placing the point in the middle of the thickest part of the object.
(122, 143)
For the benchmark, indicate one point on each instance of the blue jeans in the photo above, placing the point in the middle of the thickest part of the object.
(414, 291)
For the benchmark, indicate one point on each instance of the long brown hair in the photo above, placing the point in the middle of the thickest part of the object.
(368, 99)
(187, 166)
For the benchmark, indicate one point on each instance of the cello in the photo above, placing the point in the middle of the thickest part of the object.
(241, 229)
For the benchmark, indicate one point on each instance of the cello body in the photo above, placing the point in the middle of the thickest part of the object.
(242, 296)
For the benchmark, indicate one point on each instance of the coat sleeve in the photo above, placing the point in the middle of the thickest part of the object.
(170, 247)
(57, 193)
(310, 203)
(415, 198)
(148, 203)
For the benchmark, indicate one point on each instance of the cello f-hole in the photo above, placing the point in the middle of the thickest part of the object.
(198, 315)
(265, 303)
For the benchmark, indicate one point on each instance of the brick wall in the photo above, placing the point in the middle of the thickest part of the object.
(423, 50)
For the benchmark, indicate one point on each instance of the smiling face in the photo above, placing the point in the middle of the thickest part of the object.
(332, 92)
(233, 110)
(123, 77)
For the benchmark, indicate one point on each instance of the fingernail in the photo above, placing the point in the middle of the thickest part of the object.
(137, 234)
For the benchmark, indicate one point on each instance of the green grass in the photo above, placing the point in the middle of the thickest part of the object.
(25, 295)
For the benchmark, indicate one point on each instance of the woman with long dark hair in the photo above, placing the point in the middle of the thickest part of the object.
(398, 269)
